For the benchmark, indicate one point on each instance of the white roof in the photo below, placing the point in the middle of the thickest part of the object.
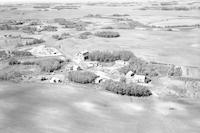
(130, 73)
(142, 77)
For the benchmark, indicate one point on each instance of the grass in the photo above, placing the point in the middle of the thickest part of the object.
(126, 89)
(82, 77)
(10, 74)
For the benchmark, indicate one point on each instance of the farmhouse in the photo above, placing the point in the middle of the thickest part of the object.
(81, 56)
(132, 77)
(139, 78)
(55, 80)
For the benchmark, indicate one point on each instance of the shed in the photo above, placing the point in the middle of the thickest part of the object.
(76, 68)
(55, 80)
(121, 62)
(83, 55)
(139, 78)
(130, 74)
(99, 80)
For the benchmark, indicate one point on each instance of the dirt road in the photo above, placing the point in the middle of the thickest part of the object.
(44, 108)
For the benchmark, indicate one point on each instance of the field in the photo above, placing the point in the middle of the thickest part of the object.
(61, 109)
(42, 44)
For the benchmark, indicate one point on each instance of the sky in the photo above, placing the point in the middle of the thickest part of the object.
(41, 1)
(62, 1)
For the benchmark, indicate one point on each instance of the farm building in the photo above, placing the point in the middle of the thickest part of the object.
(82, 56)
(75, 68)
(90, 64)
(55, 80)
(130, 74)
(99, 80)
(132, 77)
(121, 62)
(139, 78)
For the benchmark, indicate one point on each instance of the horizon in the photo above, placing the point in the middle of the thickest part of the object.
(70, 1)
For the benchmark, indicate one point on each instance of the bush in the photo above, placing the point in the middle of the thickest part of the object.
(123, 79)
(181, 8)
(61, 37)
(9, 75)
(3, 54)
(14, 61)
(187, 79)
(82, 77)
(41, 6)
(126, 89)
(50, 65)
(85, 35)
(8, 27)
(71, 24)
(21, 53)
(29, 29)
(35, 41)
(49, 28)
(34, 23)
(120, 15)
(105, 56)
(107, 34)
(107, 27)
(140, 67)
(175, 71)
(28, 63)
(60, 21)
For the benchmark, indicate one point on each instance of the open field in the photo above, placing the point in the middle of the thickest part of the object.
(56, 58)
(43, 108)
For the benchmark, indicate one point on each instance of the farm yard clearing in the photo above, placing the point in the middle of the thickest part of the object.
(100, 67)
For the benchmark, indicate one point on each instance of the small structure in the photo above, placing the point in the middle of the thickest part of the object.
(55, 80)
(83, 55)
(132, 77)
(43, 78)
(75, 68)
(121, 62)
(90, 64)
(139, 78)
(99, 80)
(130, 74)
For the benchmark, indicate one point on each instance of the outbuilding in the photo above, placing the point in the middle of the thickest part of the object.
(99, 80)
(132, 77)
(55, 80)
